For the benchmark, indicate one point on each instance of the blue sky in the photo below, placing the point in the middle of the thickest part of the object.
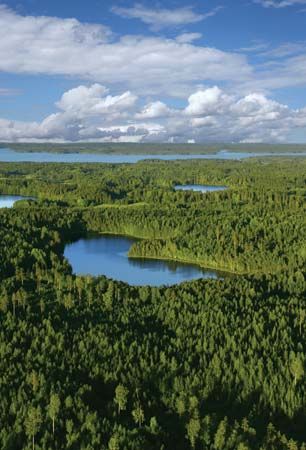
(170, 71)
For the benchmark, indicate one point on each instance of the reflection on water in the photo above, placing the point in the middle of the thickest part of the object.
(107, 255)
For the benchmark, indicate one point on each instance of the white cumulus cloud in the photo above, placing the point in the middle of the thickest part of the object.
(91, 113)
(90, 101)
(207, 102)
(154, 110)
(145, 65)
(158, 18)
(67, 47)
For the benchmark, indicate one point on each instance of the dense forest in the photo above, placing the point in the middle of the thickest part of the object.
(92, 363)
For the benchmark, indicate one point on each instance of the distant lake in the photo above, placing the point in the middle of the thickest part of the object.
(199, 188)
(8, 155)
(107, 255)
(7, 201)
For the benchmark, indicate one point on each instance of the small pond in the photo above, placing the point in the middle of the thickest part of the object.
(108, 255)
(7, 201)
(199, 188)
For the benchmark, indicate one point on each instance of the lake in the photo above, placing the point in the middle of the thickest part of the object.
(7, 201)
(199, 188)
(108, 255)
(8, 155)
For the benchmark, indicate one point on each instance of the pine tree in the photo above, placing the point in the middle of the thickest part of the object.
(53, 409)
(193, 429)
(32, 423)
(138, 415)
(296, 368)
(113, 443)
(121, 396)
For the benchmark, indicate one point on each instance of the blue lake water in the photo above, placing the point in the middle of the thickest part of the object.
(7, 201)
(8, 155)
(107, 255)
(199, 188)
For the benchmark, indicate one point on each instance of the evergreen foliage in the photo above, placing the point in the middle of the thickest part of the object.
(92, 363)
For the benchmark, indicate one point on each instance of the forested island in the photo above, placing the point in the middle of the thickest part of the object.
(157, 149)
(93, 363)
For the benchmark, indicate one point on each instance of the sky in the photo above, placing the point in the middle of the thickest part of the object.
(145, 71)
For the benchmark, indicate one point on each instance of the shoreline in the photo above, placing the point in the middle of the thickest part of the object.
(201, 264)
(192, 262)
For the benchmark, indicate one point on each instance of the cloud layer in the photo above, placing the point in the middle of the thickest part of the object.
(55, 46)
(162, 17)
(280, 3)
(89, 113)
(149, 64)
(222, 96)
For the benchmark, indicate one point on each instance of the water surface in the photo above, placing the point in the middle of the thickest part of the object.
(107, 255)
(199, 188)
(8, 155)
(7, 201)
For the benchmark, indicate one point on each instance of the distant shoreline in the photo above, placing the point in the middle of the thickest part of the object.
(152, 149)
